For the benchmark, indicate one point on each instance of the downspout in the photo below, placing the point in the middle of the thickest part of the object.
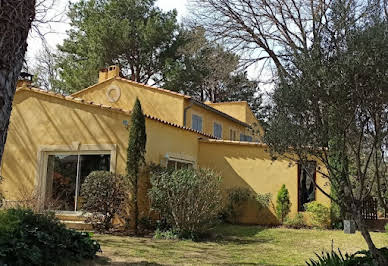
(185, 112)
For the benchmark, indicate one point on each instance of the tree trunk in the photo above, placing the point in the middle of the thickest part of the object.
(379, 258)
(16, 17)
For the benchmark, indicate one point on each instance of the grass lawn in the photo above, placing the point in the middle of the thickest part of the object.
(252, 245)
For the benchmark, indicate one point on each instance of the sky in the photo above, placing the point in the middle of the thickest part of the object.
(56, 32)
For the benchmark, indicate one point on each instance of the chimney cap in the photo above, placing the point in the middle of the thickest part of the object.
(25, 76)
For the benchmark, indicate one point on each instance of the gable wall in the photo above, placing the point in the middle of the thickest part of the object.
(154, 102)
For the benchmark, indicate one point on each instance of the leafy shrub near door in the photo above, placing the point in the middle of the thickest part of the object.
(320, 214)
(188, 200)
(103, 195)
(27, 238)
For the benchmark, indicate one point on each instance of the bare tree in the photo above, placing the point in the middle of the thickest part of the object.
(16, 17)
(273, 31)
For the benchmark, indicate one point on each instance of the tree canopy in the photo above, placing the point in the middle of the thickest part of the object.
(135, 34)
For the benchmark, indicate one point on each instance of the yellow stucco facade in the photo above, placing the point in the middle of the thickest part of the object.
(89, 122)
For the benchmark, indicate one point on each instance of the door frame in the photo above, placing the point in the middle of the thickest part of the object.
(76, 149)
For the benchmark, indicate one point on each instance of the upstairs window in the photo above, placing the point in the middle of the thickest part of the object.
(233, 134)
(306, 187)
(196, 122)
(245, 138)
(217, 130)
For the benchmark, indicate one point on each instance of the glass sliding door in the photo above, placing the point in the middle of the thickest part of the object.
(65, 175)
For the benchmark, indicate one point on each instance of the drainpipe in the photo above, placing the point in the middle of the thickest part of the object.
(185, 112)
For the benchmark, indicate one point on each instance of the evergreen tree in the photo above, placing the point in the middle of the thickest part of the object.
(135, 155)
(134, 34)
(283, 203)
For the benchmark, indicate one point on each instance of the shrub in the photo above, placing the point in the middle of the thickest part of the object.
(169, 234)
(283, 203)
(320, 214)
(333, 258)
(238, 196)
(27, 238)
(296, 222)
(188, 200)
(104, 196)
(386, 228)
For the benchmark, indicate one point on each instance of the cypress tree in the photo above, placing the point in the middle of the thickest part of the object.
(283, 203)
(135, 155)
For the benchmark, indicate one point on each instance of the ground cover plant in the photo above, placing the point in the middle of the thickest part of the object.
(234, 245)
(27, 238)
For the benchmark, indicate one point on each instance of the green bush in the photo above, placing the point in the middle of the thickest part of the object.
(283, 204)
(296, 222)
(333, 258)
(27, 238)
(237, 196)
(320, 214)
(386, 228)
(187, 200)
(104, 195)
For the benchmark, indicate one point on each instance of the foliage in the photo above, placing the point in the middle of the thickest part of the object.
(333, 258)
(207, 71)
(386, 228)
(103, 193)
(320, 214)
(136, 35)
(1, 194)
(135, 155)
(27, 238)
(168, 234)
(188, 200)
(283, 203)
(238, 196)
(297, 222)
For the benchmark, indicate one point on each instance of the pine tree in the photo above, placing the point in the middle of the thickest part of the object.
(283, 203)
(135, 155)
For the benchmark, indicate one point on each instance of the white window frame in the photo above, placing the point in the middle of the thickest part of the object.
(178, 160)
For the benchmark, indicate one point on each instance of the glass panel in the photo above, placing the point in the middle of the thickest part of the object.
(217, 130)
(88, 164)
(306, 191)
(171, 164)
(196, 122)
(61, 186)
(61, 182)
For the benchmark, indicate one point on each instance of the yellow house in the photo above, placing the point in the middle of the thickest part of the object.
(55, 141)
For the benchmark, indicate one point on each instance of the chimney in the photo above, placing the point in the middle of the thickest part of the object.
(107, 73)
(25, 80)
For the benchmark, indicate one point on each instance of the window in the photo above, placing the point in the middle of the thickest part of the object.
(245, 138)
(196, 122)
(65, 174)
(306, 187)
(217, 130)
(175, 164)
(232, 134)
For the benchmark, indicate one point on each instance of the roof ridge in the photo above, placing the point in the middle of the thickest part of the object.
(108, 107)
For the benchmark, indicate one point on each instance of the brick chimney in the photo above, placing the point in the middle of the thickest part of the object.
(107, 73)
(25, 80)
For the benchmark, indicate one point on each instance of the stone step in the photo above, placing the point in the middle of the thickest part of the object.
(71, 216)
(78, 225)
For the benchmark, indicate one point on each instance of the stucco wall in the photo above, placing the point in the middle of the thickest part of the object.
(154, 102)
(41, 120)
(208, 119)
(250, 166)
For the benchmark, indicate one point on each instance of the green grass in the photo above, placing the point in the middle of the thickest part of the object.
(232, 245)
